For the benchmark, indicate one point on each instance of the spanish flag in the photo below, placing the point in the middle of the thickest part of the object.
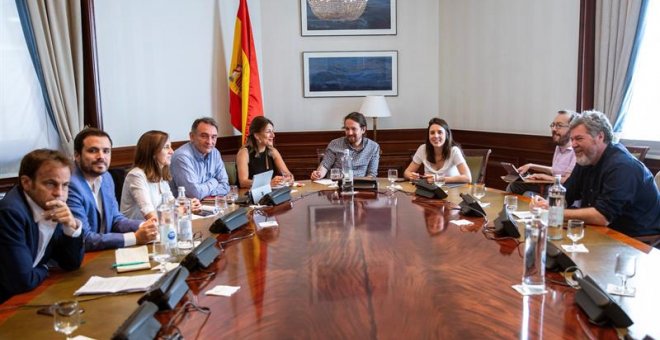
(244, 88)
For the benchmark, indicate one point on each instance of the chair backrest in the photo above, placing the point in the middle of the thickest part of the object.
(232, 172)
(320, 153)
(639, 151)
(477, 161)
(118, 177)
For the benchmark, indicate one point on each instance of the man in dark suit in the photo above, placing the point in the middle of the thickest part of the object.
(92, 197)
(36, 225)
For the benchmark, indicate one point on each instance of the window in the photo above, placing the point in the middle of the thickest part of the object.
(25, 124)
(643, 118)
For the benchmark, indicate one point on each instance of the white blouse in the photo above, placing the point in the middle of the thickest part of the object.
(448, 168)
(139, 196)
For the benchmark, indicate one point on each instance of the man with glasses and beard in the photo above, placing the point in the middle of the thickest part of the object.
(563, 159)
(608, 186)
(92, 197)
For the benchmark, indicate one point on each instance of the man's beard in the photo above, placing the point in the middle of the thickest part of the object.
(562, 139)
(89, 169)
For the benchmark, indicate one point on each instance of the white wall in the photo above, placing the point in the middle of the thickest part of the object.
(483, 65)
(507, 65)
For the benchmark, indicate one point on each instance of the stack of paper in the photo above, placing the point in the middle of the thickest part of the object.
(135, 258)
(109, 285)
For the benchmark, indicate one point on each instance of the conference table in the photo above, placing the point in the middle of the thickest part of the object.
(374, 265)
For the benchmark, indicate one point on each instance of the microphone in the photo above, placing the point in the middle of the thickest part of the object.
(504, 225)
(428, 190)
(471, 207)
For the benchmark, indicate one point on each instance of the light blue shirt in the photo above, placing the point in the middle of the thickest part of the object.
(202, 176)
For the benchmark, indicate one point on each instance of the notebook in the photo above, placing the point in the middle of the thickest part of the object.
(261, 185)
(133, 258)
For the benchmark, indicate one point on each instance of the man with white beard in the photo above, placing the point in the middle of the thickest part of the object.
(608, 186)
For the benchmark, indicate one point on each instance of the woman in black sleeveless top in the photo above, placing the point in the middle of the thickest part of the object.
(258, 155)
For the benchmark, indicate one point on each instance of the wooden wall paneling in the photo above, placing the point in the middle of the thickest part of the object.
(299, 151)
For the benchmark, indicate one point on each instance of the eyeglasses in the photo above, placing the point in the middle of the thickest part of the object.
(558, 125)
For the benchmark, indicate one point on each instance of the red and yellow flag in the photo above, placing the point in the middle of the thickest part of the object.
(244, 88)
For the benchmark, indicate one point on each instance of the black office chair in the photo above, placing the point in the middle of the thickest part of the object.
(118, 176)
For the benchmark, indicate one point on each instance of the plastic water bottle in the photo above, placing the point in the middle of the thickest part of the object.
(347, 171)
(533, 278)
(166, 223)
(184, 214)
(556, 199)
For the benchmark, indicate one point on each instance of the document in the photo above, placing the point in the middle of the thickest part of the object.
(325, 181)
(117, 284)
(134, 258)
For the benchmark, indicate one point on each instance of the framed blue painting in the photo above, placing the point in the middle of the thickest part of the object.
(350, 74)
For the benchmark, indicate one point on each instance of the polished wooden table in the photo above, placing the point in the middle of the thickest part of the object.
(377, 266)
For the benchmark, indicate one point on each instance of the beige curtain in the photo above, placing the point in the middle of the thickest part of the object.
(57, 26)
(616, 26)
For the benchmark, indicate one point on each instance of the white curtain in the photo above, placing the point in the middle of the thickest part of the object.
(57, 29)
(616, 26)
(25, 125)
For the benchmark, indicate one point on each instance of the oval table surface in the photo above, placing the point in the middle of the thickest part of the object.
(366, 266)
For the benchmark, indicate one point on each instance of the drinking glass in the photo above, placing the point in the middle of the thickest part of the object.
(66, 317)
(575, 232)
(232, 195)
(392, 176)
(287, 179)
(219, 205)
(335, 174)
(511, 203)
(625, 268)
(161, 253)
(439, 179)
(479, 190)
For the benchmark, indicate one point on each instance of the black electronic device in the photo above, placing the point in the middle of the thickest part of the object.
(556, 260)
(505, 226)
(141, 324)
(365, 184)
(168, 290)
(428, 190)
(201, 256)
(598, 305)
(276, 197)
(230, 222)
(470, 206)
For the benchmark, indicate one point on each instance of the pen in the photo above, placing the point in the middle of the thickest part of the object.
(127, 264)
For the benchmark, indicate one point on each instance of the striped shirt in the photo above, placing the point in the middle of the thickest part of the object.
(365, 160)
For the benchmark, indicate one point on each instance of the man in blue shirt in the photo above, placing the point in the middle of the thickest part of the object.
(197, 165)
(365, 153)
(36, 225)
(609, 186)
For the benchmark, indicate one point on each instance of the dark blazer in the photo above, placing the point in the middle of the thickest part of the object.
(83, 206)
(19, 243)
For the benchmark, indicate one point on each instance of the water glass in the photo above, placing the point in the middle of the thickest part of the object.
(66, 317)
(479, 190)
(287, 179)
(392, 176)
(625, 268)
(575, 232)
(511, 203)
(162, 255)
(439, 179)
(219, 205)
(335, 174)
(232, 195)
